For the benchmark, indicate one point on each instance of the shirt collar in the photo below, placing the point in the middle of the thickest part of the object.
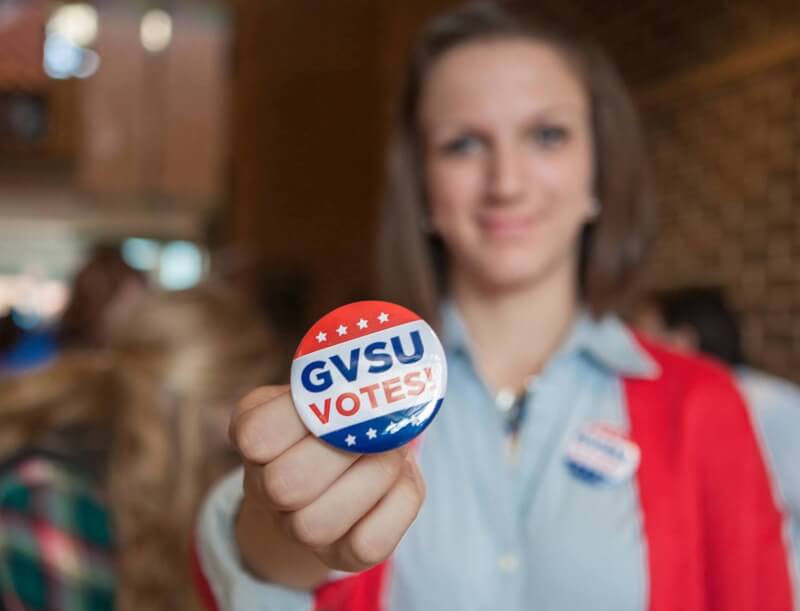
(606, 341)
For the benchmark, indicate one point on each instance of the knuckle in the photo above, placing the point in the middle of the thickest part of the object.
(389, 463)
(259, 396)
(278, 487)
(414, 495)
(309, 531)
(253, 397)
(414, 481)
(416, 490)
(246, 437)
(368, 548)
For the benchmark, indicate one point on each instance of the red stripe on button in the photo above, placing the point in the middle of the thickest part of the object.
(375, 314)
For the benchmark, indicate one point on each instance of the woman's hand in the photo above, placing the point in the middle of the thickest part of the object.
(309, 507)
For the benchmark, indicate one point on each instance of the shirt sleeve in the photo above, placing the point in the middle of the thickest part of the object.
(775, 406)
(233, 588)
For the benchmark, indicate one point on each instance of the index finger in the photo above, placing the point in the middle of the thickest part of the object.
(265, 424)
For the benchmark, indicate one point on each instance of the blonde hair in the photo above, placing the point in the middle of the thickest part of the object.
(155, 395)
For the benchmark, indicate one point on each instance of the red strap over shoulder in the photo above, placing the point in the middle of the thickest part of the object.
(361, 592)
(713, 529)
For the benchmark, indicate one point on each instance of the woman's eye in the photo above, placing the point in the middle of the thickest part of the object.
(463, 145)
(549, 135)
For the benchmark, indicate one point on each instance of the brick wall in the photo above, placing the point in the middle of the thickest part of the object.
(727, 161)
(652, 40)
(728, 165)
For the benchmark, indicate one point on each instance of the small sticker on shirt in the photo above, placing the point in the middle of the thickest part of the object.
(601, 456)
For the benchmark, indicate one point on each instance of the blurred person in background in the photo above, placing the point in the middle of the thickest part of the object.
(518, 211)
(102, 290)
(9, 332)
(699, 320)
(10, 335)
(24, 349)
(107, 452)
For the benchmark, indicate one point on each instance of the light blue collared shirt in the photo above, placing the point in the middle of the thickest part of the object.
(526, 534)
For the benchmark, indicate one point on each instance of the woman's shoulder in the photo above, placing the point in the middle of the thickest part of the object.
(687, 373)
(691, 394)
(694, 409)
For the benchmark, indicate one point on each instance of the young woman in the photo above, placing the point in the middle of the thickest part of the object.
(518, 211)
(107, 452)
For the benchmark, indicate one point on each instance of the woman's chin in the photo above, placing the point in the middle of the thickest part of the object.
(508, 278)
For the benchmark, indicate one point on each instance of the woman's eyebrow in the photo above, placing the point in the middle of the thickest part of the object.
(559, 109)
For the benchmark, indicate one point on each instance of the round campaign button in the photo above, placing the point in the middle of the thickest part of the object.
(369, 377)
(601, 455)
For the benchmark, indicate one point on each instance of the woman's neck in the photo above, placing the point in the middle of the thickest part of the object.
(514, 332)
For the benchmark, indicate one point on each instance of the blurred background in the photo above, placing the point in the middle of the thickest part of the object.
(245, 138)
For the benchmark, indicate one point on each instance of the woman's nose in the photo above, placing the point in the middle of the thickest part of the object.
(506, 174)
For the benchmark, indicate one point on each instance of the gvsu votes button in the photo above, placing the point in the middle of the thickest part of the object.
(369, 377)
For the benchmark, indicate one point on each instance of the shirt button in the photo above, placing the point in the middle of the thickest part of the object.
(508, 563)
(505, 399)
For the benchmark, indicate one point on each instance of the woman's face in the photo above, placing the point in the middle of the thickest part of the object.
(508, 158)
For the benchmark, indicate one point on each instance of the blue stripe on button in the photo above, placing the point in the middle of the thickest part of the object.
(585, 474)
(385, 438)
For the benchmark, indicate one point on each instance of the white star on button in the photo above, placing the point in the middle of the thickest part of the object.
(383, 318)
(350, 440)
(322, 337)
(372, 433)
(342, 330)
(362, 324)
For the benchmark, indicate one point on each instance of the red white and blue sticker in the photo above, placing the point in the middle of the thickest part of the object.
(369, 377)
(600, 455)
